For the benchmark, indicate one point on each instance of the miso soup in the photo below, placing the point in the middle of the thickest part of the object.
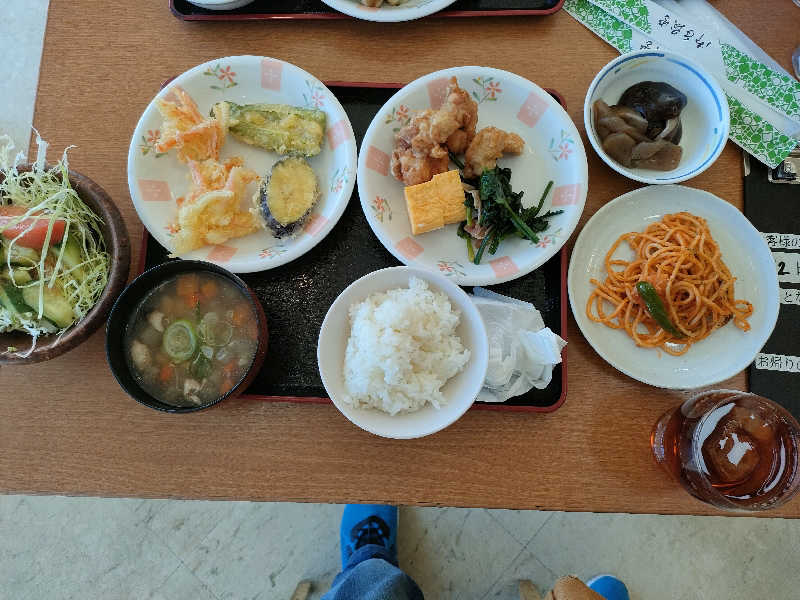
(191, 339)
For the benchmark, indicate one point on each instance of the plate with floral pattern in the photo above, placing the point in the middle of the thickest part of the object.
(156, 180)
(553, 152)
(407, 11)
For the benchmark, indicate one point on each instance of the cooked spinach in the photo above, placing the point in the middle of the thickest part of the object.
(501, 211)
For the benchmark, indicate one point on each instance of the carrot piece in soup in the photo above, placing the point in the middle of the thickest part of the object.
(225, 386)
(166, 373)
(240, 314)
(209, 289)
(188, 285)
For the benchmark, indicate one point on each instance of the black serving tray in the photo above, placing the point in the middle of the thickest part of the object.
(315, 9)
(296, 296)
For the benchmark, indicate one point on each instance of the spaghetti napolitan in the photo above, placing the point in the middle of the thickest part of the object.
(680, 259)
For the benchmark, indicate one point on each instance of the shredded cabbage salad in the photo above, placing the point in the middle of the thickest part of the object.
(46, 194)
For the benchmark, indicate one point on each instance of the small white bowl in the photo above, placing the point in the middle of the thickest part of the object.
(460, 390)
(705, 119)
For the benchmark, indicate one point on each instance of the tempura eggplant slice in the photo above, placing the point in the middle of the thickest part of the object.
(287, 196)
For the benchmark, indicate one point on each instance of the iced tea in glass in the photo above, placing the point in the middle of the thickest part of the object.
(734, 450)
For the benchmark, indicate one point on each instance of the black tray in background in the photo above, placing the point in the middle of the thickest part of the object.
(296, 296)
(315, 9)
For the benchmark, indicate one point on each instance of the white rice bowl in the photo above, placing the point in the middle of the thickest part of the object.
(402, 349)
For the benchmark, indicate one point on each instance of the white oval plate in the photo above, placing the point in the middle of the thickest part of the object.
(386, 13)
(460, 391)
(553, 151)
(155, 180)
(722, 354)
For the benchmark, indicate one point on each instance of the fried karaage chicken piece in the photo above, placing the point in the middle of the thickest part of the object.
(422, 146)
(463, 110)
(211, 213)
(185, 129)
(412, 169)
(489, 144)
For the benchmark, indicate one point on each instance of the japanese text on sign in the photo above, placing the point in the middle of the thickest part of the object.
(790, 296)
(782, 241)
(777, 362)
(787, 266)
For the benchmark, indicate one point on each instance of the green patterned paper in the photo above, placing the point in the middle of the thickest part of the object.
(631, 11)
(757, 136)
(779, 90)
(608, 27)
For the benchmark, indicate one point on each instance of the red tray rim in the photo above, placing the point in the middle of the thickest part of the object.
(337, 15)
(499, 406)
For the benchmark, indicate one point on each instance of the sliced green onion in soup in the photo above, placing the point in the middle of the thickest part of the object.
(180, 340)
(215, 331)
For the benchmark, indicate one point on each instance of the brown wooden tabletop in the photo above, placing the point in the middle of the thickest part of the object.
(66, 427)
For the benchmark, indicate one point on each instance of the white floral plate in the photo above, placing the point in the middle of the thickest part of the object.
(553, 151)
(413, 9)
(155, 180)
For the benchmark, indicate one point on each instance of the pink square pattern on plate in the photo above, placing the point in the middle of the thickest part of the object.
(409, 248)
(337, 133)
(533, 109)
(154, 190)
(504, 266)
(565, 195)
(436, 90)
(378, 160)
(271, 71)
(221, 254)
(315, 224)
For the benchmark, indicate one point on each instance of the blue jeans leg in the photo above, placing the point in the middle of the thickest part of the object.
(371, 574)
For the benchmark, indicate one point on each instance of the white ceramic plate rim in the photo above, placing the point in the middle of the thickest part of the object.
(387, 13)
(469, 313)
(574, 216)
(297, 246)
(770, 299)
(220, 4)
(710, 81)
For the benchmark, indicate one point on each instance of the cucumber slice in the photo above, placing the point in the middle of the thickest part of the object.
(56, 307)
(71, 258)
(11, 299)
(20, 255)
(18, 276)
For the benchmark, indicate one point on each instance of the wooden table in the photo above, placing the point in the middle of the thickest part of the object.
(67, 428)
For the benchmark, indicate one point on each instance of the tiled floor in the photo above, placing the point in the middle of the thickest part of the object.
(55, 547)
(118, 549)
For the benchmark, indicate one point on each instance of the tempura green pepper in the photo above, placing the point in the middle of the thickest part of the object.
(655, 307)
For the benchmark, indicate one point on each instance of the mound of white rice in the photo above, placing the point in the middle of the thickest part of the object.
(402, 349)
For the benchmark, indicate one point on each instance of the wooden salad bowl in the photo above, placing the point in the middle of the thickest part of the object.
(119, 249)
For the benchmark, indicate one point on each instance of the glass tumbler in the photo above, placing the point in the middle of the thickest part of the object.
(734, 450)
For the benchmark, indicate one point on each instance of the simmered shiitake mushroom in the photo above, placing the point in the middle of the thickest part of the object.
(643, 130)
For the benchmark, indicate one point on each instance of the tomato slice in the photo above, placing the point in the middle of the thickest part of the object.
(38, 232)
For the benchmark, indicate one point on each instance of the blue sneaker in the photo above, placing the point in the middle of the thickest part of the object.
(609, 587)
(364, 524)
